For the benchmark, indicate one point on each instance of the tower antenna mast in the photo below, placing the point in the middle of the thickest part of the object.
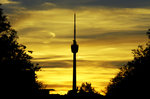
(75, 26)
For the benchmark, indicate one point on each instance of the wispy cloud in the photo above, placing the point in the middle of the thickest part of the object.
(52, 62)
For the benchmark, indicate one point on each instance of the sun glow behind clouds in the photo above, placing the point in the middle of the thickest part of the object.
(105, 37)
(8, 2)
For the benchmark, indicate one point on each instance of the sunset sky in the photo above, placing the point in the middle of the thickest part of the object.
(107, 31)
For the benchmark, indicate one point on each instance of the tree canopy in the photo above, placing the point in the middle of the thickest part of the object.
(17, 70)
(86, 89)
(133, 78)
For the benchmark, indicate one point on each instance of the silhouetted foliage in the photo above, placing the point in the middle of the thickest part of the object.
(86, 89)
(133, 78)
(17, 71)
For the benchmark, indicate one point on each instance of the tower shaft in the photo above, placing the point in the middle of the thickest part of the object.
(74, 72)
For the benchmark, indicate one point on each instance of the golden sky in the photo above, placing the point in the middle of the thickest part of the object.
(106, 34)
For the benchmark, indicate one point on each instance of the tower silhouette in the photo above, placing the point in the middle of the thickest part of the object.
(74, 48)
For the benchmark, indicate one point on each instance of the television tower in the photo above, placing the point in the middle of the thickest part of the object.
(74, 48)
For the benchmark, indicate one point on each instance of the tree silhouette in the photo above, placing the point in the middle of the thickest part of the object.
(86, 89)
(133, 78)
(17, 72)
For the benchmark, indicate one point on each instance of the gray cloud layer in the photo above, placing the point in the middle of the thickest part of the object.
(82, 63)
(40, 4)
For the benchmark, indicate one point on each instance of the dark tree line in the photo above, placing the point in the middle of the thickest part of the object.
(17, 71)
(133, 78)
